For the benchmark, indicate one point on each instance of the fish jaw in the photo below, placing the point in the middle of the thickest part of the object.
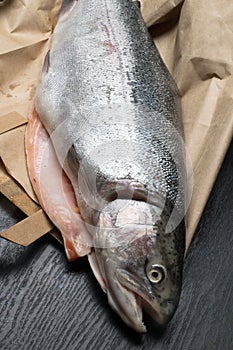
(123, 301)
(126, 249)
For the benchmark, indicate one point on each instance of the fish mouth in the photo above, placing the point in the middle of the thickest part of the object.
(128, 306)
(126, 303)
(142, 293)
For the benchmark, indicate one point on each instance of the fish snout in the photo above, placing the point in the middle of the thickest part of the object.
(160, 308)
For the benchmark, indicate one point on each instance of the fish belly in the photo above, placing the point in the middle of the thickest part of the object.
(54, 190)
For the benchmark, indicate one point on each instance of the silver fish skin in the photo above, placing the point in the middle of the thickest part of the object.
(113, 112)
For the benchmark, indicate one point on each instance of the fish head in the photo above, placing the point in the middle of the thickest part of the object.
(140, 265)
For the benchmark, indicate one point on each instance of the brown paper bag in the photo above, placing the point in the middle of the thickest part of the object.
(195, 41)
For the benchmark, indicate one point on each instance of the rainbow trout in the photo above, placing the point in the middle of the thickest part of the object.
(112, 111)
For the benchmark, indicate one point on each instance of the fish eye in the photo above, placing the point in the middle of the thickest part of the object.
(156, 273)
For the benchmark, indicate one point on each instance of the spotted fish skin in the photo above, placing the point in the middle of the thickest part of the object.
(113, 112)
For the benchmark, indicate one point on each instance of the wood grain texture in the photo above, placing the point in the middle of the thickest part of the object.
(47, 303)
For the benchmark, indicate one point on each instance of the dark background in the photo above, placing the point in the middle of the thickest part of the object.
(47, 303)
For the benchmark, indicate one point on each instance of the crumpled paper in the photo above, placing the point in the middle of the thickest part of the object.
(195, 41)
(25, 29)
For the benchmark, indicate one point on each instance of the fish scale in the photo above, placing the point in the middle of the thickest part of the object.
(113, 113)
(111, 77)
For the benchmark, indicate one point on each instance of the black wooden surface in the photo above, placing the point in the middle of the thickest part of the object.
(47, 303)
